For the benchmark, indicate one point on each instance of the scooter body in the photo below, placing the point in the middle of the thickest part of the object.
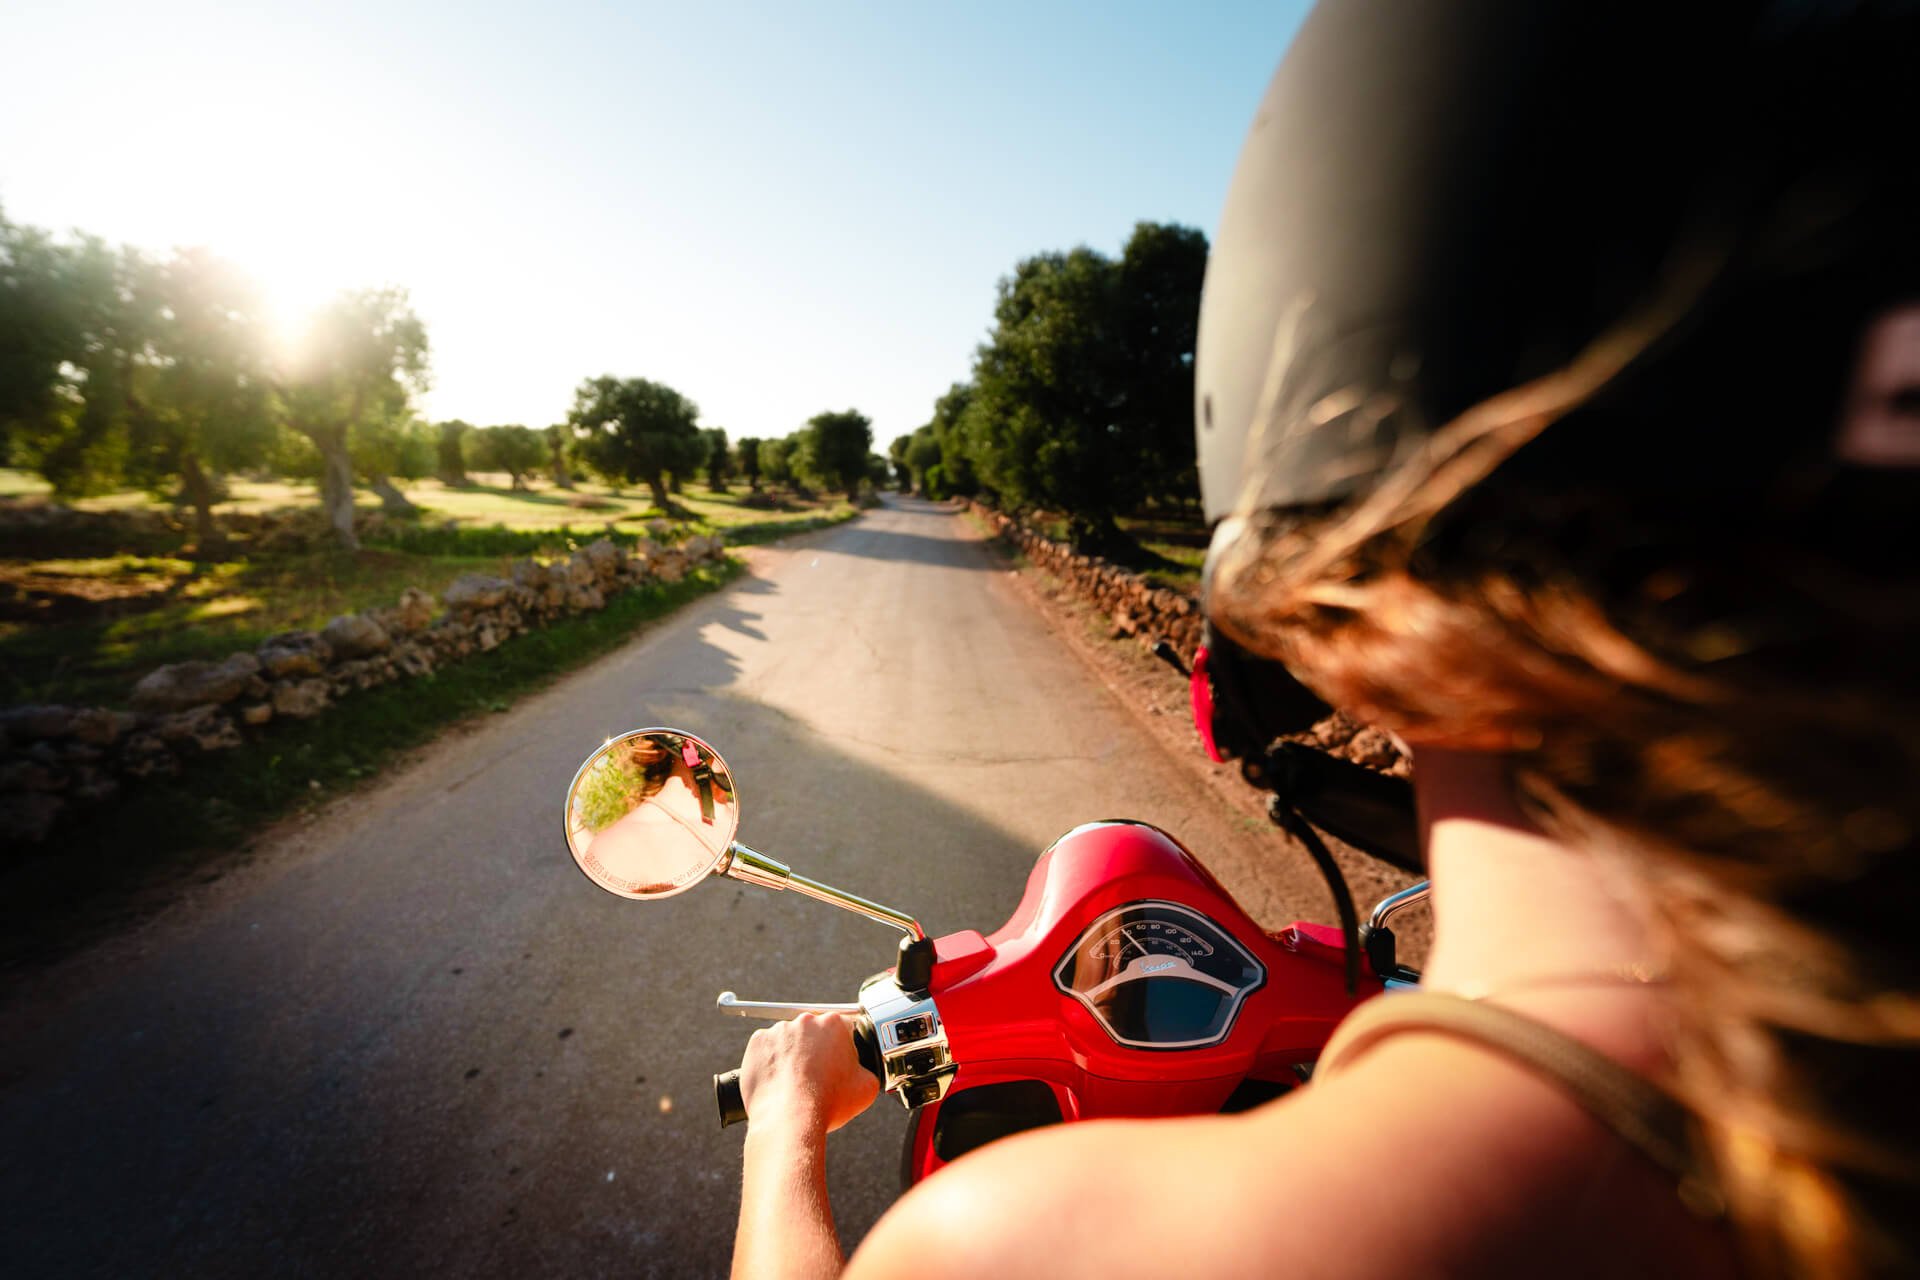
(1128, 982)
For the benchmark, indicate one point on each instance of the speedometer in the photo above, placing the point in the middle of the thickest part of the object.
(1157, 975)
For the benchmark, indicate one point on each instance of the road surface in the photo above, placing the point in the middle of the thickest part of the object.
(411, 1038)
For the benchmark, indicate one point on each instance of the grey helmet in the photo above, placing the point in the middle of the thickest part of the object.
(1438, 203)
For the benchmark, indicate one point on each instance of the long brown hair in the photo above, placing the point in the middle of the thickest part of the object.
(1708, 695)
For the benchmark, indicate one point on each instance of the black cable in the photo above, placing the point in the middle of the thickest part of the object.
(1297, 827)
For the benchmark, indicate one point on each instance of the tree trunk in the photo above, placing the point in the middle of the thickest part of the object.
(662, 499)
(392, 501)
(336, 485)
(1099, 534)
(561, 479)
(211, 544)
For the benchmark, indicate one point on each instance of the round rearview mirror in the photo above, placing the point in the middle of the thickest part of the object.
(651, 813)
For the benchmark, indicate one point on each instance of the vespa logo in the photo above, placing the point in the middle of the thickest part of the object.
(1156, 968)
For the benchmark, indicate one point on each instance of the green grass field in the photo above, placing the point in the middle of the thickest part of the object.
(489, 500)
(83, 629)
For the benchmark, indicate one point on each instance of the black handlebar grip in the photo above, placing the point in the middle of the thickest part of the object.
(726, 1087)
(866, 1043)
(726, 1093)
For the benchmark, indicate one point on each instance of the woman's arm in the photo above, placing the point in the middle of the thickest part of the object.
(800, 1080)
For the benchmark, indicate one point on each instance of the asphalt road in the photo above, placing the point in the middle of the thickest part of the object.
(412, 1039)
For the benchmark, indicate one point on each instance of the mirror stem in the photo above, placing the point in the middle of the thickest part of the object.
(756, 868)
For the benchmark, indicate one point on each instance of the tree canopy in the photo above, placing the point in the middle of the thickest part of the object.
(631, 430)
(450, 450)
(835, 446)
(363, 359)
(559, 443)
(776, 460)
(719, 458)
(519, 451)
(199, 394)
(1081, 397)
(747, 453)
(117, 368)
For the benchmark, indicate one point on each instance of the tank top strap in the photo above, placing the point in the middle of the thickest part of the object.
(1639, 1111)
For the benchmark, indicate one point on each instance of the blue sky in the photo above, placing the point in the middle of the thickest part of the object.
(776, 210)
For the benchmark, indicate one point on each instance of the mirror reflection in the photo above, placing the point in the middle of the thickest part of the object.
(651, 813)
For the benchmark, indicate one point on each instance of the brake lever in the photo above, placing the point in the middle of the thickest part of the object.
(773, 1011)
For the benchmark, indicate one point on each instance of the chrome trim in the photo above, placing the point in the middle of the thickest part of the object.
(859, 906)
(774, 1012)
(920, 1069)
(742, 863)
(1391, 906)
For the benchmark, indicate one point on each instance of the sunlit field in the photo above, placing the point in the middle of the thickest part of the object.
(489, 500)
(82, 628)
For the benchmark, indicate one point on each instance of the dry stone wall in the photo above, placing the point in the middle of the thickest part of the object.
(54, 759)
(1136, 606)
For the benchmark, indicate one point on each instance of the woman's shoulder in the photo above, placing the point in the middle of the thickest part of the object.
(1429, 1156)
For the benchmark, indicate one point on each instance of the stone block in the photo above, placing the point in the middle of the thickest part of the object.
(101, 727)
(201, 729)
(415, 610)
(294, 653)
(354, 635)
(471, 592)
(29, 724)
(300, 699)
(144, 755)
(184, 685)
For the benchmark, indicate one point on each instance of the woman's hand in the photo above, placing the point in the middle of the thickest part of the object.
(805, 1072)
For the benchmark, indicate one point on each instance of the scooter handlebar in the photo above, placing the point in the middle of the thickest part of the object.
(726, 1086)
(726, 1093)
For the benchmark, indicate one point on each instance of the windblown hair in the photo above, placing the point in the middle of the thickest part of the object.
(1709, 695)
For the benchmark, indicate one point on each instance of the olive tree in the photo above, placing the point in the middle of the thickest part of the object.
(364, 357)
(518, 451)
(632, 430)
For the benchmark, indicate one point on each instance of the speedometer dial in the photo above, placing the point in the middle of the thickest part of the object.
(1158, 975)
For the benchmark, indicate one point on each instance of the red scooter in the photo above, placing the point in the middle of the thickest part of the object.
(1127, 983)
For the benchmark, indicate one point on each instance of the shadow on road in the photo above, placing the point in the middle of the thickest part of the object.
(430, 1045)
(885, 544)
